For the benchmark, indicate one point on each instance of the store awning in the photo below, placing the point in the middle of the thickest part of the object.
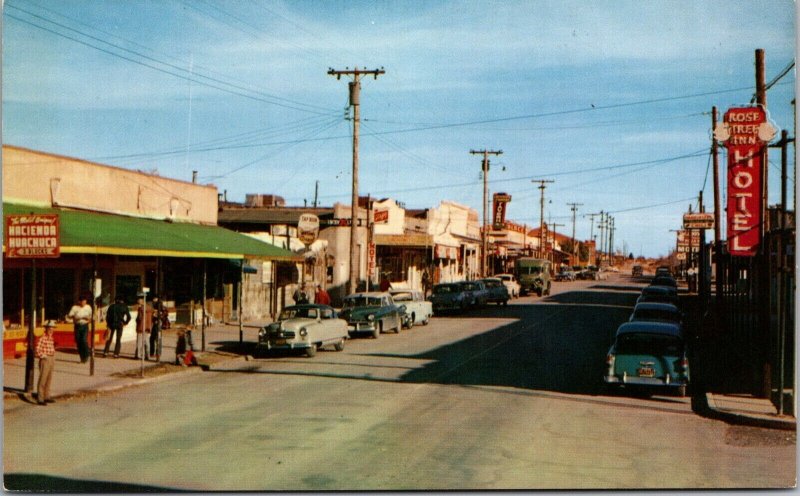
(415, 240)
(110, 234)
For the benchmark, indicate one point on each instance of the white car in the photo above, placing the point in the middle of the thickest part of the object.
(511, 283)
(303, 327)
(418, 311)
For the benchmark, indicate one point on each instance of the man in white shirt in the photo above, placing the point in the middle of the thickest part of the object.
(81, 315)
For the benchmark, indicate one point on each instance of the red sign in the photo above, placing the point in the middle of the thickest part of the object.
(381, 217)
(32, 236)
(499, 203)
(745, 130)
(371, 259)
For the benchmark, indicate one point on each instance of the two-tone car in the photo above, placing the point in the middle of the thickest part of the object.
(303, 327)
(659, 294)
(475, 292)
(496, 291)
(449, 297)
(511, 283)
(418, 309)
(372, 313)
(648, 356)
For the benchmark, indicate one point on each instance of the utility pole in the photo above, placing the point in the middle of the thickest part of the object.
(485, 227)
(574, 208)
(591, 228)
(601, 226)
(355, 102)
(316, 193)
(541, 187)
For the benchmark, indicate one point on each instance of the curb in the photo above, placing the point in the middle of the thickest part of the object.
(706, 407)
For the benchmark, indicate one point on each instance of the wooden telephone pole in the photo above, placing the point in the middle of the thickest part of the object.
(574, 208)
(541, 187)
(355, 97)
(484, 230)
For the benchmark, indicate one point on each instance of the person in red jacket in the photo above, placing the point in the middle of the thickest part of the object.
(321, 297)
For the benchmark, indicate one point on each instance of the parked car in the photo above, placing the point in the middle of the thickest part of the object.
(496, 291)
(659, 294)
(475, 292)
(637, 271)
(418, 310)
(373, 313)
(448, 297)
(565, 275)
(648, 355)
(303, 327)
(533, 274)
(664, 281)
(656, 312)
(663, 271)
(511, 283)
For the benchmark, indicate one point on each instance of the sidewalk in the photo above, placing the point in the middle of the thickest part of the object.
(72, 378)
(746, 410)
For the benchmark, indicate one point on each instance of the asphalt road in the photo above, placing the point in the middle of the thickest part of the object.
(502, 398)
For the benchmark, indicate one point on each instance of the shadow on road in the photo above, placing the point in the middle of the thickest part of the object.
(47, 483)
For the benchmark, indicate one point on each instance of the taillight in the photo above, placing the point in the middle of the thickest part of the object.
(682, 365)
(610, 358)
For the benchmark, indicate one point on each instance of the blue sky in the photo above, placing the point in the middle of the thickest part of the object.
(610, 99)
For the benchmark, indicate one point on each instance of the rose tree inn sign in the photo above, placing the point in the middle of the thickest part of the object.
(745, 131)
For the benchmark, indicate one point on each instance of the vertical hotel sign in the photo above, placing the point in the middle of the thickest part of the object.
(32, 236)
(499, 203)
(744, 132)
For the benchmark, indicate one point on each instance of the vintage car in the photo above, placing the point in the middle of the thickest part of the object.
(664, 281)
(564, 275)
(496, 291)
(533, 275)
(303, 327)
(656, 312)
(663, 271)
(373, 313)
(448, 297)
(637, 271)
(659, 294)
(475, 292)
(418, 310)
(511, 283)
(648, 356)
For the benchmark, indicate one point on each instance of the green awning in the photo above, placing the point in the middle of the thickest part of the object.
(110, 234)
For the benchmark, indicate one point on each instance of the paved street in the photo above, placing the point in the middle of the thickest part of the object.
(501, 398)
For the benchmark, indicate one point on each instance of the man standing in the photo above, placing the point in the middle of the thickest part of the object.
(81, 315)
(117, 317)
(46, 353)
(322, 297)
(155, 332)
(144, 321)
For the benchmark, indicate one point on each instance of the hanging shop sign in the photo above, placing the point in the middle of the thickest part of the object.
(380, 217)
(33, 236)
(499, 203)
(308, 228)
(698, 221)
(744, 132)
(371, 259)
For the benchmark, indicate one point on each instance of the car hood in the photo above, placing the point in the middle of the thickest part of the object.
(446, 296)
(291, 324)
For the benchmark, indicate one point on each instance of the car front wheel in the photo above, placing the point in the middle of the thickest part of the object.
(311, 350)
(378, 330)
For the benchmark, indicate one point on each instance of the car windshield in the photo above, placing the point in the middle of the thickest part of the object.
(362, 301)
(505, 278)
(530, 270)
(402, 296)
(444, 289)
(298, 313)
(649, 344)
(493, 284)
(650, 314)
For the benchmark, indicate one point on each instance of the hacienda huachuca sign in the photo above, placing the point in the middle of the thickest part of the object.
(744, 132)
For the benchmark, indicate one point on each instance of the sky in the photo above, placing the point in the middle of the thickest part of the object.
(609, 99)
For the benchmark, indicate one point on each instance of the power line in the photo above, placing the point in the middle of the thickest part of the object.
(264, 97)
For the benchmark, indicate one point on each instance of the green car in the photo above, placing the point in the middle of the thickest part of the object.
(650, 356)
(372, 313)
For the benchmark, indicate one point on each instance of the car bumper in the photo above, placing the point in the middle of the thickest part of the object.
(455, 305)
(285, 345)
(361, 326)
(646, 381)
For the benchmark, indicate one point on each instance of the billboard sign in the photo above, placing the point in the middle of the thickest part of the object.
(380, 217)
(33, 236)
(698, 221)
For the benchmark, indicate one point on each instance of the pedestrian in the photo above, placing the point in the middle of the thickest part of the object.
(46, 352)
(117, 317)
(144, 321)
(155, 330)
(81, 315)
(300, 297)
(322, 297)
